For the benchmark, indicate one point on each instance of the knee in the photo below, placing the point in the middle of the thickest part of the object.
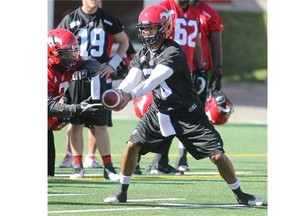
(217, 158)
(132, 147)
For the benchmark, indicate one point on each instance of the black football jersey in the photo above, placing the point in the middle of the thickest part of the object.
(177, 94)
(92, 31)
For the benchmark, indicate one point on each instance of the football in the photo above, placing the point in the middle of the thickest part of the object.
(112, 98)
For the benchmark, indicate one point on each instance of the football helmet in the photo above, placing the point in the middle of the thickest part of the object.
(218, 107)
(141, 104)
(154, 15)
(63, 48)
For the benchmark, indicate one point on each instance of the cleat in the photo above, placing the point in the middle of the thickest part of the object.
(78, 172)
(137, 170)
(117, 198)
(149, 167)
(67, 162)
(183, 168)
(166, 169)
(90, 162)
(110, 173)
(248, 199)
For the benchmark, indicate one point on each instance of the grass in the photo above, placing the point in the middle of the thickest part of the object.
(244, 46)
(200, 192)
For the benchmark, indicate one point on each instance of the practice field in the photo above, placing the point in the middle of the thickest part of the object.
(198, 192)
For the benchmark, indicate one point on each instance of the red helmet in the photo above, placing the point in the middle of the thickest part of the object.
(154, 15)
(218, 108)
(63, 48)
(141, 104)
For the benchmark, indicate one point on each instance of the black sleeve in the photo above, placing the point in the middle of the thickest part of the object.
(60, 110)
(92, 66)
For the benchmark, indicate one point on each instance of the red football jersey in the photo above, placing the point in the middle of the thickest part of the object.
(57, 85)
(210, 21)
(186, 26)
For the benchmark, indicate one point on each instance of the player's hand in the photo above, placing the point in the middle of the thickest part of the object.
(87, 108)
(215, 81)
(107, 71)
(127, 97)
(199, 80)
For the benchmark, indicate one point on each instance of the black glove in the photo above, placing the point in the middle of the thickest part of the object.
(215, 81)
(87, 108)
(199, 79)
(88, 67)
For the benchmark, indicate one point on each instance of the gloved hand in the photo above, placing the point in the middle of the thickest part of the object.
(59, 123)
(87, 108)
(199, 79)
(215, 80)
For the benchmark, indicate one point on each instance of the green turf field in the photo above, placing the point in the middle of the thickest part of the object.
(199, 192)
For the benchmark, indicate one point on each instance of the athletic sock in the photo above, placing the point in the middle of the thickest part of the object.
(106, 159)
(77, 159)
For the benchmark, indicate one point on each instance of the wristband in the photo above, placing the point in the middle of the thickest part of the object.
(115, 61)
(133, 95)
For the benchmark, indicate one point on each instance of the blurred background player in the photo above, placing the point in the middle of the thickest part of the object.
(63, 61)
(211, 40)
(93, 27)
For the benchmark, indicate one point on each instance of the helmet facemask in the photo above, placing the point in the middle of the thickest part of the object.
(69, 56)
(151, 39)
(224, 105)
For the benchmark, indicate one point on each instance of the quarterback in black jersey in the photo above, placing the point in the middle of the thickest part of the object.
(161, 67)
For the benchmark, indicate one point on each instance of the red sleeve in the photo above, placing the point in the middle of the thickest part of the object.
(215, 21)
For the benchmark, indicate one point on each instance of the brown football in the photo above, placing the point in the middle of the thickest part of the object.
(112, 98)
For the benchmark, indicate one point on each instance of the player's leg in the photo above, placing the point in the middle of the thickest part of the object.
(137, 170)
(211, 145)
(68, 159)
(103, 143)
(90, 159)
(160, 163)
(51, 153)
(77, 147)
(128, 165)
(227, 172)
(144, 145)
(181, 161)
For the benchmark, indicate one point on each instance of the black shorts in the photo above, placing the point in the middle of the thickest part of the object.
(199, 137)
(80, 90)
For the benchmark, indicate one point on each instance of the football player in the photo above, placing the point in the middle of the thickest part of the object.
(186, 32)
(93, 27)
(63, 61)
(211, 40)
(161, 67)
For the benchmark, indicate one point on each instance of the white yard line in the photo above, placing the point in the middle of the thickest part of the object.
(161, 206)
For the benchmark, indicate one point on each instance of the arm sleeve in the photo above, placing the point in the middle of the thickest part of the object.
(159, 74)
(133, 79)
(60, 110)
